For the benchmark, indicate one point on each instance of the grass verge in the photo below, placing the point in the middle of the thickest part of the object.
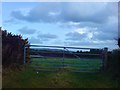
(27, 78)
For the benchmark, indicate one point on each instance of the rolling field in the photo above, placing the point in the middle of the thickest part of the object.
(68, 64)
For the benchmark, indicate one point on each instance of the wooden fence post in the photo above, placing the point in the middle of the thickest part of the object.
(25, 54)
(105, 50)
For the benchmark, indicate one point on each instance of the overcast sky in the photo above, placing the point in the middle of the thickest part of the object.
(80, 24)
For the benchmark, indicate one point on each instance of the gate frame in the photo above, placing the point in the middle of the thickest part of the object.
(104, 53)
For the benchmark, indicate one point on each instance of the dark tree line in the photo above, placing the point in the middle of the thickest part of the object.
(12, 49)
(67, 54)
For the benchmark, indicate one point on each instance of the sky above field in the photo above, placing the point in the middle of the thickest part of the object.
(81, 24)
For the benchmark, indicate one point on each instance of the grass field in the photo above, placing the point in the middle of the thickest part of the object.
(69, 64)
(27, 78)
(30, 79)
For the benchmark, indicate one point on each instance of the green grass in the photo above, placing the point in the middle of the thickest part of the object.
(30, 79)
(70, 64)
(27, 78)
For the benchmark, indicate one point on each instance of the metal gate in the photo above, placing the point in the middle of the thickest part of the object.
(73, 59)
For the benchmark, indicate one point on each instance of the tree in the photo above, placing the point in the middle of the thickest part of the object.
(13, 49)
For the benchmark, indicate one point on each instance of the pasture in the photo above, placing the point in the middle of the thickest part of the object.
(67, 64)
(29, 77)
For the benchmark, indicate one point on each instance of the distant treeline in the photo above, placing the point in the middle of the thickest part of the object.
(93, 53)
(12, 49)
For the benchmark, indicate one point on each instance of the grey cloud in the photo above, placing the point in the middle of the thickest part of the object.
(12, 21)
(79, 43)
(104, 36)
(42, 38)
(75, 36)
(92, 12)
(85, 14)
(45, 12)
(90, 24)
(47, 37)
(26, 30)
(103, 32)
(108, 31)
(100, 44)
(35, 40)
(18, 15)
(70, 25)
(75, 12)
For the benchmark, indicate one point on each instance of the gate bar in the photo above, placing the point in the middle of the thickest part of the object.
(62, 47)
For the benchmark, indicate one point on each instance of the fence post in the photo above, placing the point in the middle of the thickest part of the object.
(63, 56)
(105, 50)
(25, 54)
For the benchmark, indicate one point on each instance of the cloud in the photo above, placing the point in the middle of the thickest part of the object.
(92, 36)
(46, 37)
(75, 36)
(42, 38)
(104, 36)
(85, 38)
(18, 15)
(45, 12)
(69, 24)
(78, 12)
(85, 33)
(108, 31)
(88, 23)
(26, 30)
(104, 31)
(97, 43)
(35, 40)
(67, 11)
